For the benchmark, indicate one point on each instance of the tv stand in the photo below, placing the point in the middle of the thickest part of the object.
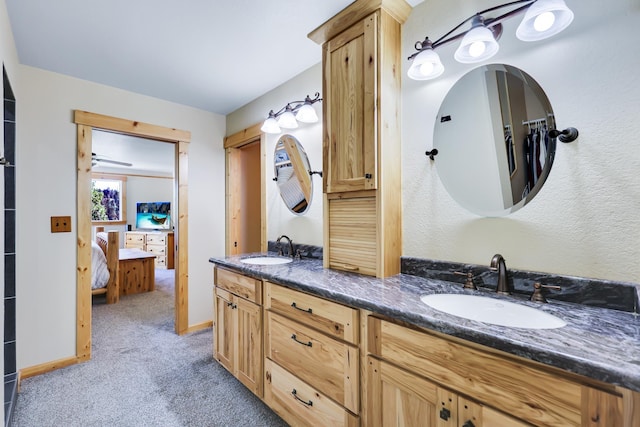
(159, 243)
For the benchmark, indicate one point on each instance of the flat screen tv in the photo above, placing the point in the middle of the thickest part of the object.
(153, 215)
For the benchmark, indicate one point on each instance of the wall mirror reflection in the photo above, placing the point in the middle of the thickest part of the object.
(292, 174)
(493, 142)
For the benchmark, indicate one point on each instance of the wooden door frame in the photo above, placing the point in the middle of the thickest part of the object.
(86, 122)
(232, 144)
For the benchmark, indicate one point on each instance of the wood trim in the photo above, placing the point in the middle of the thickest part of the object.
(83, 272)
(129, 127)
(43, 368)
(263, 194)
(243, 137)
(199, 327)
(182, 267)
(232, 188)
(232, 144)
(398, 9)
(86, 122)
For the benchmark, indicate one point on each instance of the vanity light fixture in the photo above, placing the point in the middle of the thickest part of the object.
(543, 19)
(292, 113)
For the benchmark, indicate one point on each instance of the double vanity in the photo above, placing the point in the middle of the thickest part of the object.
(328, 347)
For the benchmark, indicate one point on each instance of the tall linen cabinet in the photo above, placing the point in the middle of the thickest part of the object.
(361, 136)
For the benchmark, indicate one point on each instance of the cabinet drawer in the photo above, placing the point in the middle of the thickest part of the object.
(161, 262)
(238, 284)
(327, 364)
(527, 393)
(158, 250)
(134, 238)
(156, 239)
(300, 404)
(329, 317)
(134, 245)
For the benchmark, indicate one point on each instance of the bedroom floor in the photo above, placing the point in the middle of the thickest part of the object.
(141, 374)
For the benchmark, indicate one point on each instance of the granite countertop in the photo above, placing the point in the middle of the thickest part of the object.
(598, 343)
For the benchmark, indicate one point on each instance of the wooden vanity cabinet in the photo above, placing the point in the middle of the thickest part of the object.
(417, 374)
(401, 398)
(361, 136)
(237, 327)
(311, 358)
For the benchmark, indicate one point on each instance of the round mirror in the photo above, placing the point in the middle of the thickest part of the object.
(292, 170)
(491, 133)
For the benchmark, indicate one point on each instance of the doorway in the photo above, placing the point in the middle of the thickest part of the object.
(86, 122)
(246, 192)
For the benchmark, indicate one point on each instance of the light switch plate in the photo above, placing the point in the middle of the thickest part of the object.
(60, 224)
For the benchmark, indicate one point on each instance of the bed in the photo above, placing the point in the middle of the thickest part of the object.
(105, 265)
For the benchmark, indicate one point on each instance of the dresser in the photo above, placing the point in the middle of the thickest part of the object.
(161, 244)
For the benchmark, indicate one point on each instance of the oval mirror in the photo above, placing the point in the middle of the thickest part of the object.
(291, 166)
(491, 133)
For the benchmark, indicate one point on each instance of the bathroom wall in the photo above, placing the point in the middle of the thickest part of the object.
(46, 185)
(305, 228)
(585, 220)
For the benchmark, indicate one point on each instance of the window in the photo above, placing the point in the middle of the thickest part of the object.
(108, 199)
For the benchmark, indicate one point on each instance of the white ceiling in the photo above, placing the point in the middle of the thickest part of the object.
(210, 54)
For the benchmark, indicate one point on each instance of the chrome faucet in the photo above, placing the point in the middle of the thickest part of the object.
(497, 264)
(280, 253)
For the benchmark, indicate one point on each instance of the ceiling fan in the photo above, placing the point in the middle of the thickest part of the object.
(97, 158)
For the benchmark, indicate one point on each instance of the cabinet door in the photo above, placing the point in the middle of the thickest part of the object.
(399, 398)
(350, 151)
(224, 329)
(249, 341)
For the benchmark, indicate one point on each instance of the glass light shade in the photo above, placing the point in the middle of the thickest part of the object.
(426, 65)
(307, 114)
(270, 126)
(544, 18)
(477, 45)
(287, 120)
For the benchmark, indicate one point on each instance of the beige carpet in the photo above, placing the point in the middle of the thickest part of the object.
(141, 374)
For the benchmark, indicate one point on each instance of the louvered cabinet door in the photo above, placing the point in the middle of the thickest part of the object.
(352, 235)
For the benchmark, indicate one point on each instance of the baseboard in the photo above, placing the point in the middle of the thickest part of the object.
(32, 371)
(198, 327)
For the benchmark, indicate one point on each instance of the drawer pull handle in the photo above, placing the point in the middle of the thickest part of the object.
(445, 414)
(308, 344)
(293, 304)
(232, 305)
(295, 394)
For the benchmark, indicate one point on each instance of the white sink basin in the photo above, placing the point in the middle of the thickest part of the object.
(494, 311)
(266, 260)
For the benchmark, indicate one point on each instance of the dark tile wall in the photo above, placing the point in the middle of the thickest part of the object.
(10, 374)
